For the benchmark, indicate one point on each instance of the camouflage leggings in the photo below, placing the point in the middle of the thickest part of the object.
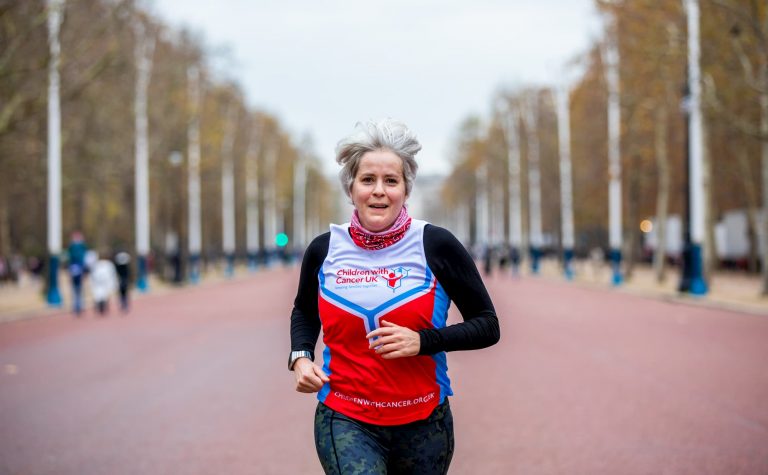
(349, 447)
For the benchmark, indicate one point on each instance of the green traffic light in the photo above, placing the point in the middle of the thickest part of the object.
(281, 240)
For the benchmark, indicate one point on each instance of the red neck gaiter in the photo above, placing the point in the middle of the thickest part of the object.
(375, 241)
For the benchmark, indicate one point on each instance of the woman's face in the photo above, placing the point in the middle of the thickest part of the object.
(378, 190)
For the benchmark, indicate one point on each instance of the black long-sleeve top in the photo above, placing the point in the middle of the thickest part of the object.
(455, 271)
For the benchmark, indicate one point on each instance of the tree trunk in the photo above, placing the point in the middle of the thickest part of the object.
(102, 231)
(753, 259)
(5, 230)
(710, 252)
(631, 244)
(79, 208)
(662, 194)
(764, 165)
(753, 207)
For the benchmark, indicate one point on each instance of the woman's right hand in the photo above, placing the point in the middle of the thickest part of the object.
(310, 378)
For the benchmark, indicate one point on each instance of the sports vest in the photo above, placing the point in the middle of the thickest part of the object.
(357, 289)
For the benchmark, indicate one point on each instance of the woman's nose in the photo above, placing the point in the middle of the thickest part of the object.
(378, 189)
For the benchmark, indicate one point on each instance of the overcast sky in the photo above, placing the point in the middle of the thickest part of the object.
(321, 66)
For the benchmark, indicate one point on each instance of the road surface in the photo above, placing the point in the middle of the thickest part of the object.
(194, 381)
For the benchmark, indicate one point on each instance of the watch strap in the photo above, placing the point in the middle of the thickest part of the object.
(299, 354)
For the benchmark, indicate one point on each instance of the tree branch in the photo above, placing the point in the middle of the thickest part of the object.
(734, 122)
(747, 18)
(746, 65)
(7, 111)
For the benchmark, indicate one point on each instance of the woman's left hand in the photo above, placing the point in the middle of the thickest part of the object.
(394, 341)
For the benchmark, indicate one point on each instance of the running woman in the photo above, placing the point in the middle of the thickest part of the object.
(380, 287)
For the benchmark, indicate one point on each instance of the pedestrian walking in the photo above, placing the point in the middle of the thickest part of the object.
(3, 270)
(487, 260)
(103, 279)
(380, 286)
(597, 262)
(76, 266)
(504, 252)
(514, 257)
(123, 268)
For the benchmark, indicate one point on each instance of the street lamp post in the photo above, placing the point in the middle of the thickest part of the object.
(144, 49)
(271, 204)
(173, 237)
(252, 201)
(692, 280)
(481, 202)
(299, 202)
(534, 181)
(55, 12)
(566, 183)
(194, 237)
(512, 132)
(611, 57)
(228, 192)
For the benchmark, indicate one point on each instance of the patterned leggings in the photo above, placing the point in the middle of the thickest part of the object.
(349, 447)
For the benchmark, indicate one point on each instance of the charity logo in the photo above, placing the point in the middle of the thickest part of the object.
(394, 278)
(391, 277)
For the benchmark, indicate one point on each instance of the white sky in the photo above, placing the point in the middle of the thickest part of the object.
(321, 66)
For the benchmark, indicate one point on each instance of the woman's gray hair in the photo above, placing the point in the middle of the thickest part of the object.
(384, 134)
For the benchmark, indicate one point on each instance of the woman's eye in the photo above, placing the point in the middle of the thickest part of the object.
(367, 179)
(392, 181)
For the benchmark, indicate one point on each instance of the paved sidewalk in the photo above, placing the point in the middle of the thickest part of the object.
(27, 299)
(728, 290)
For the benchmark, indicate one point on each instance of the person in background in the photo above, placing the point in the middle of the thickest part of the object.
(77, 269)
(488, 260)
(103, 280)
(123, 268)
(380, 287)
(36, 265)
(91, 256)
(514, 257)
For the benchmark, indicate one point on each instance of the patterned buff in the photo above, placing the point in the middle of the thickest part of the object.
(375, 241)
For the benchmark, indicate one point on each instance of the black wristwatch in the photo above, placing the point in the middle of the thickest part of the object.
(299, 354)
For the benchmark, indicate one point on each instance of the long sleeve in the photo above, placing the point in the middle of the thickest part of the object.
(305, 318)
(456, 272)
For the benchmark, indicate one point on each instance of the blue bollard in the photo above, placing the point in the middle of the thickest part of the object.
(142, 282)
(535, 260)
(229, 270)
(698, 284)
(567, 263)
(615, 258)
(53, 296)
(194, 268)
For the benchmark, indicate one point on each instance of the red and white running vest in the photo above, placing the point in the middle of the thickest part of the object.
(359, 288)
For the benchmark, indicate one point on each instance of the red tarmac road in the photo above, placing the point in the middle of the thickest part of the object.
(194, 382)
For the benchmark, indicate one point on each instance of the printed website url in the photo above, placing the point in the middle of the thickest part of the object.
(385, 404)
